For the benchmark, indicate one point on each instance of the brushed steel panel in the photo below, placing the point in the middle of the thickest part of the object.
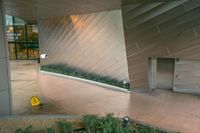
(170, 30)
(187, 81)
(152, 76)
(165, 73)
(90, 42)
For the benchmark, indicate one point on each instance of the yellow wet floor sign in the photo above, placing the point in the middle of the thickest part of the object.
(35, 101)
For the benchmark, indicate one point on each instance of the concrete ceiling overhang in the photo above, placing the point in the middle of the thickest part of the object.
(31, 10)
(39, 9)
(130, 2)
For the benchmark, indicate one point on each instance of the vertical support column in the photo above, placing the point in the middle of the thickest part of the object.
(152, 76)
(5, 86)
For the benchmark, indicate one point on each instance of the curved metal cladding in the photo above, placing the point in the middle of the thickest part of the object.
(162, 29)
(90, 42)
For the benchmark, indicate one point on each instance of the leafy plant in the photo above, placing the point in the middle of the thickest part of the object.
(108, 124)
(96, 124)
(50, 130)
(90, 123)
(62, 69)
(148, 129)
(65, 127)
(28, 129)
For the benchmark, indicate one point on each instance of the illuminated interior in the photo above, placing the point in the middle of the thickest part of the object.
(22, 39)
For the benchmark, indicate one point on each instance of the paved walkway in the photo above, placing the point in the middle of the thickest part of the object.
(24, 86)
(63, 96)
(166, 109)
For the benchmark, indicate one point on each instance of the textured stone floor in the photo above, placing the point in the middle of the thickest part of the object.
(24, 86)
(162, 108)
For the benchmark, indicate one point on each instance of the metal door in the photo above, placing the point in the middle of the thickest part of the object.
(165, 73)
(187, 76)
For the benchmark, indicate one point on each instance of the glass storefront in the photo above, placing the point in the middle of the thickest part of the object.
(22, 39)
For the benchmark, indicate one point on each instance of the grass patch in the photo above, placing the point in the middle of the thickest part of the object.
(96, 124)
(62, 69)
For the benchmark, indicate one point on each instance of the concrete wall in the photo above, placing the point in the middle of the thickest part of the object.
(91, 42)
(5, 99)
(165, 29)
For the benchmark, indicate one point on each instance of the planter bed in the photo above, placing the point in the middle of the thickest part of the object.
(95, 124)
(66, 72)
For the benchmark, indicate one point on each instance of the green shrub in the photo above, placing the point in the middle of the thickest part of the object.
(28, 129)
(108, 124)
(50, 130)
(62, 69)
(90, 122)
(66, 127)
(148, 129)
(96, 124)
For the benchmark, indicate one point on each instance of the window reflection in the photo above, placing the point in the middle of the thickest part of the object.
(21, 51)
(20, 35)
(22, 39)
(32, 31)
(12, 51)
(10, 34)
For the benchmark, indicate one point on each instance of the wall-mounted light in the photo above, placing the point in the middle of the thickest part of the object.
(43, 56)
